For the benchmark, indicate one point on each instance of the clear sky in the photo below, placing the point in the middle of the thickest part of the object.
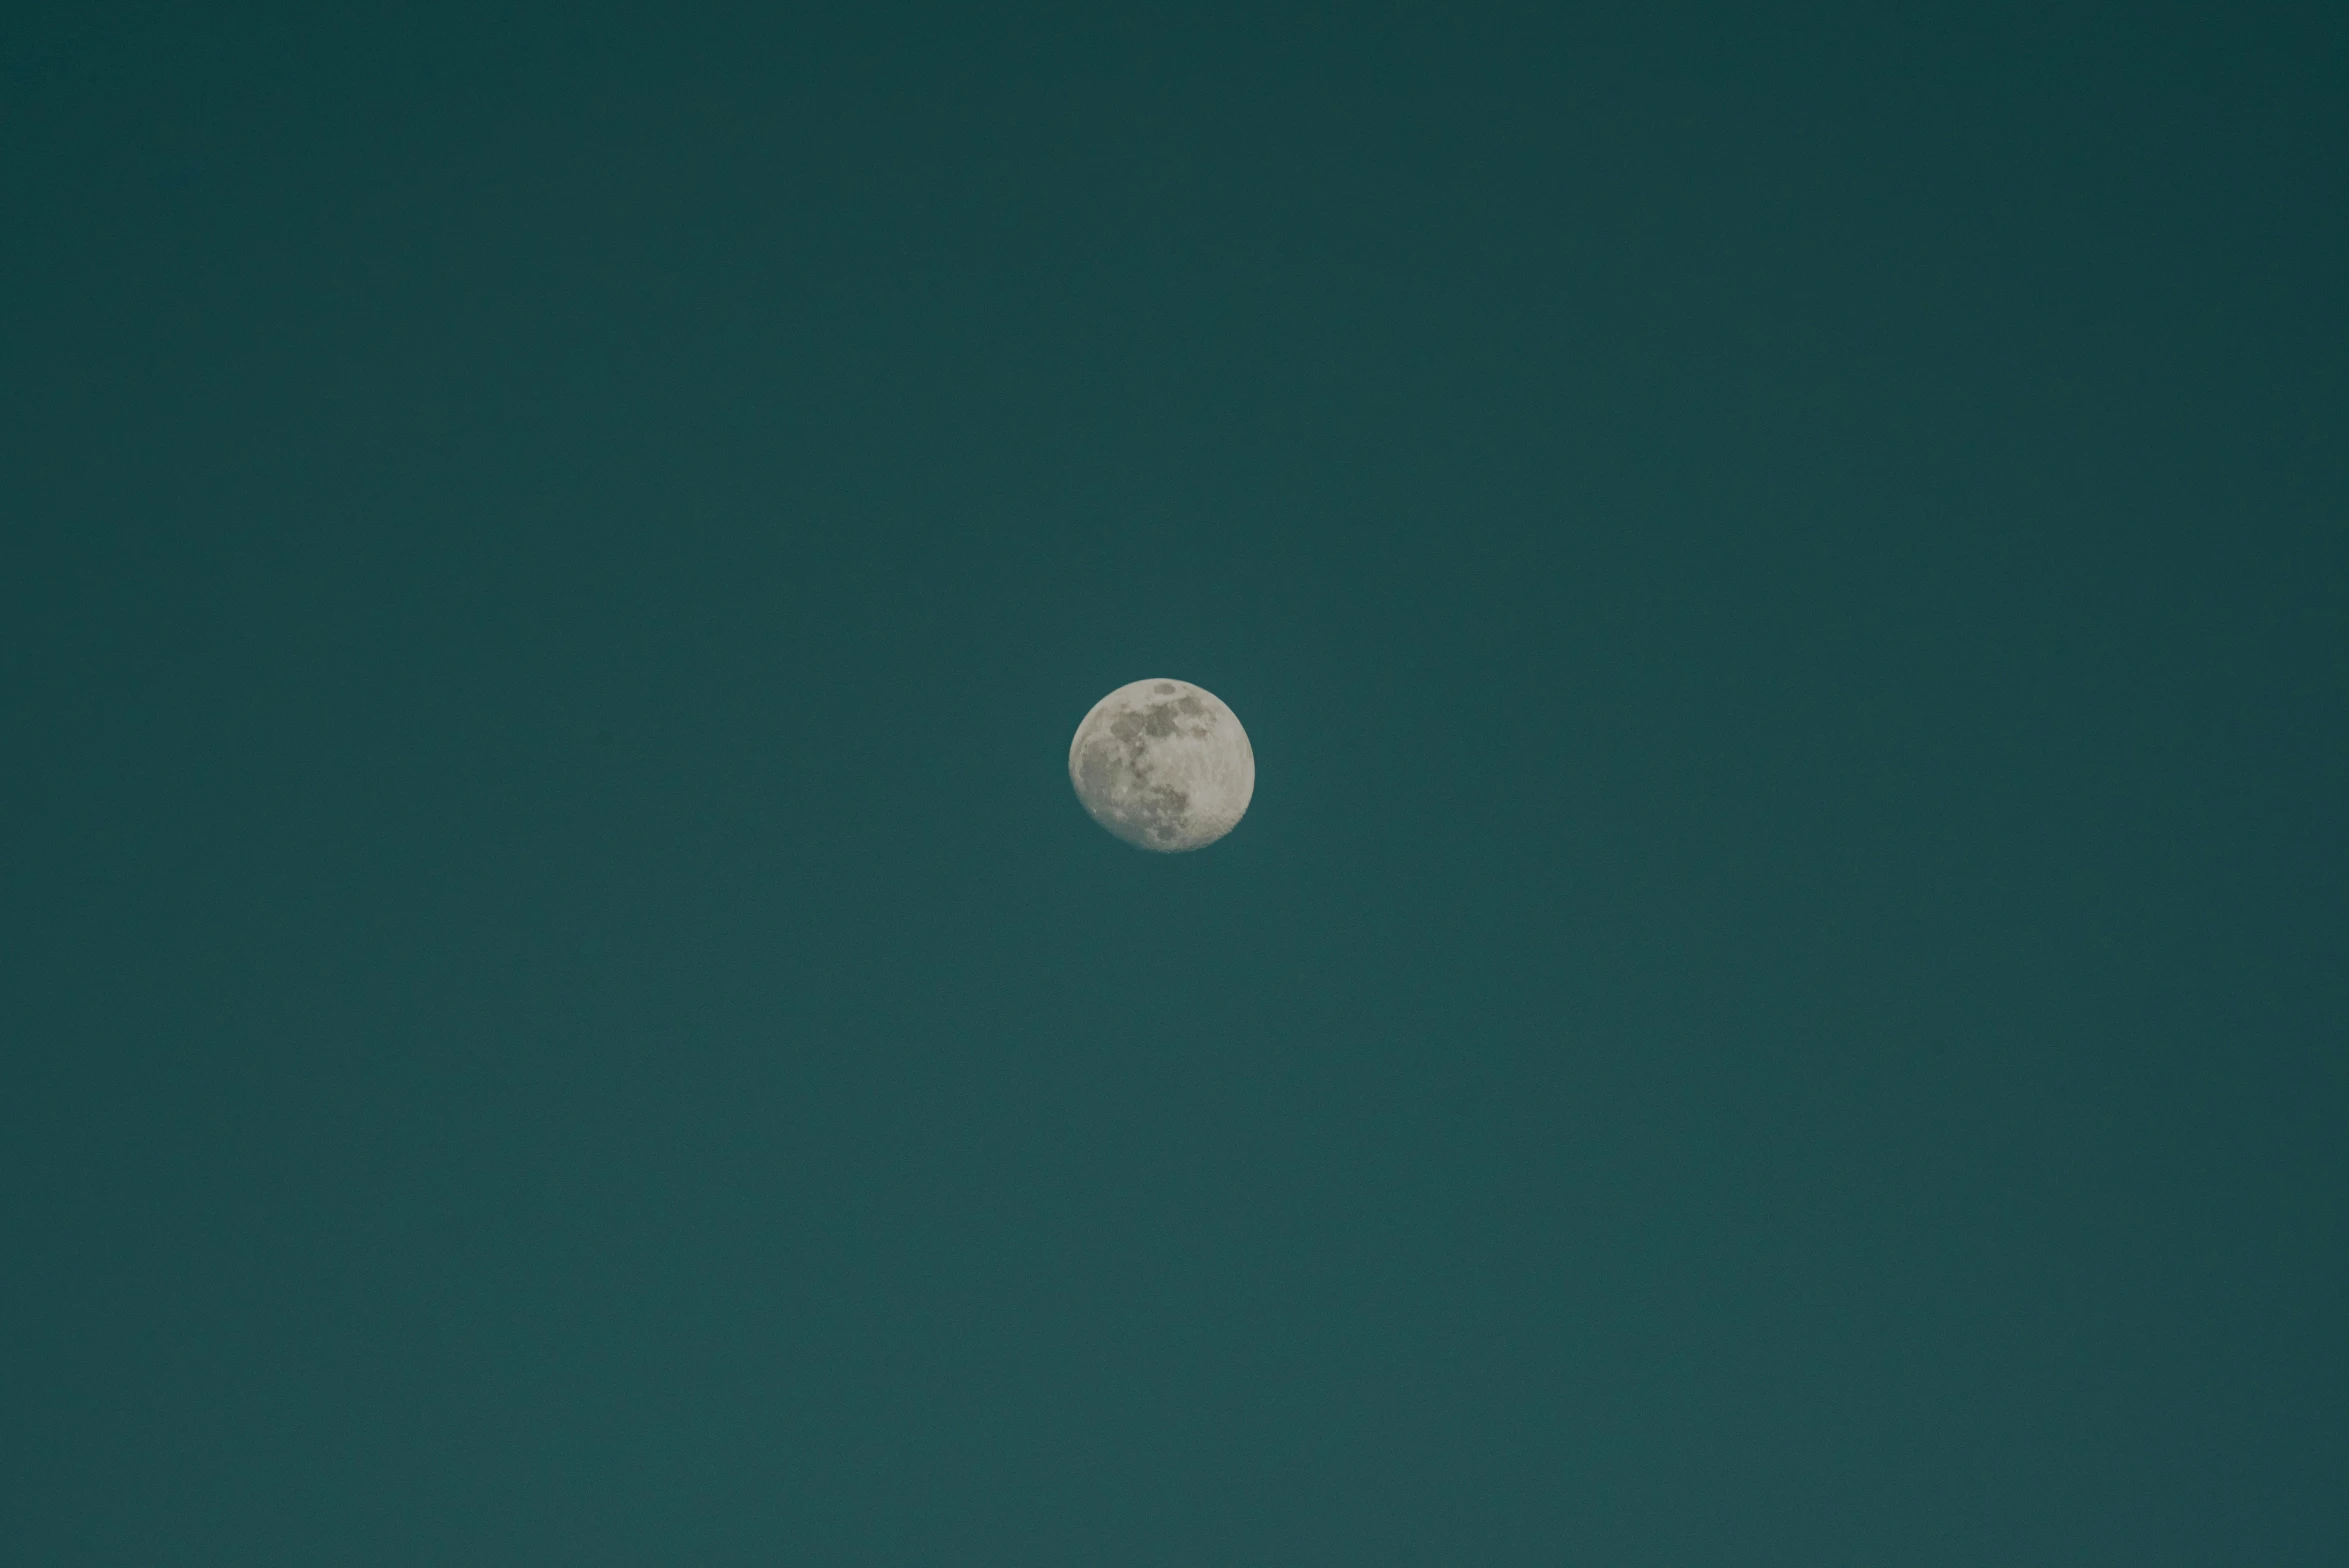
(1782, 998)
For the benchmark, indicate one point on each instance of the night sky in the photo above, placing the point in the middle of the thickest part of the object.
(1784, 997)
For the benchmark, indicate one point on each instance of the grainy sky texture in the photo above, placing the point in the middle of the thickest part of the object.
(1781, 1000)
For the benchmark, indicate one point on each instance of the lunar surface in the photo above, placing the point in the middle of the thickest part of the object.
(1163, 765)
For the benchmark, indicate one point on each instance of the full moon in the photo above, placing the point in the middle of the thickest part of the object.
(1163, 765)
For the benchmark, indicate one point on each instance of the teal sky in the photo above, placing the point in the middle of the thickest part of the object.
(1782, 998)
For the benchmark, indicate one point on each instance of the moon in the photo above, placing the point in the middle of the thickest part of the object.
(1164, 765)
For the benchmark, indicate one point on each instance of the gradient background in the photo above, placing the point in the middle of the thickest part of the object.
(1783, 997)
